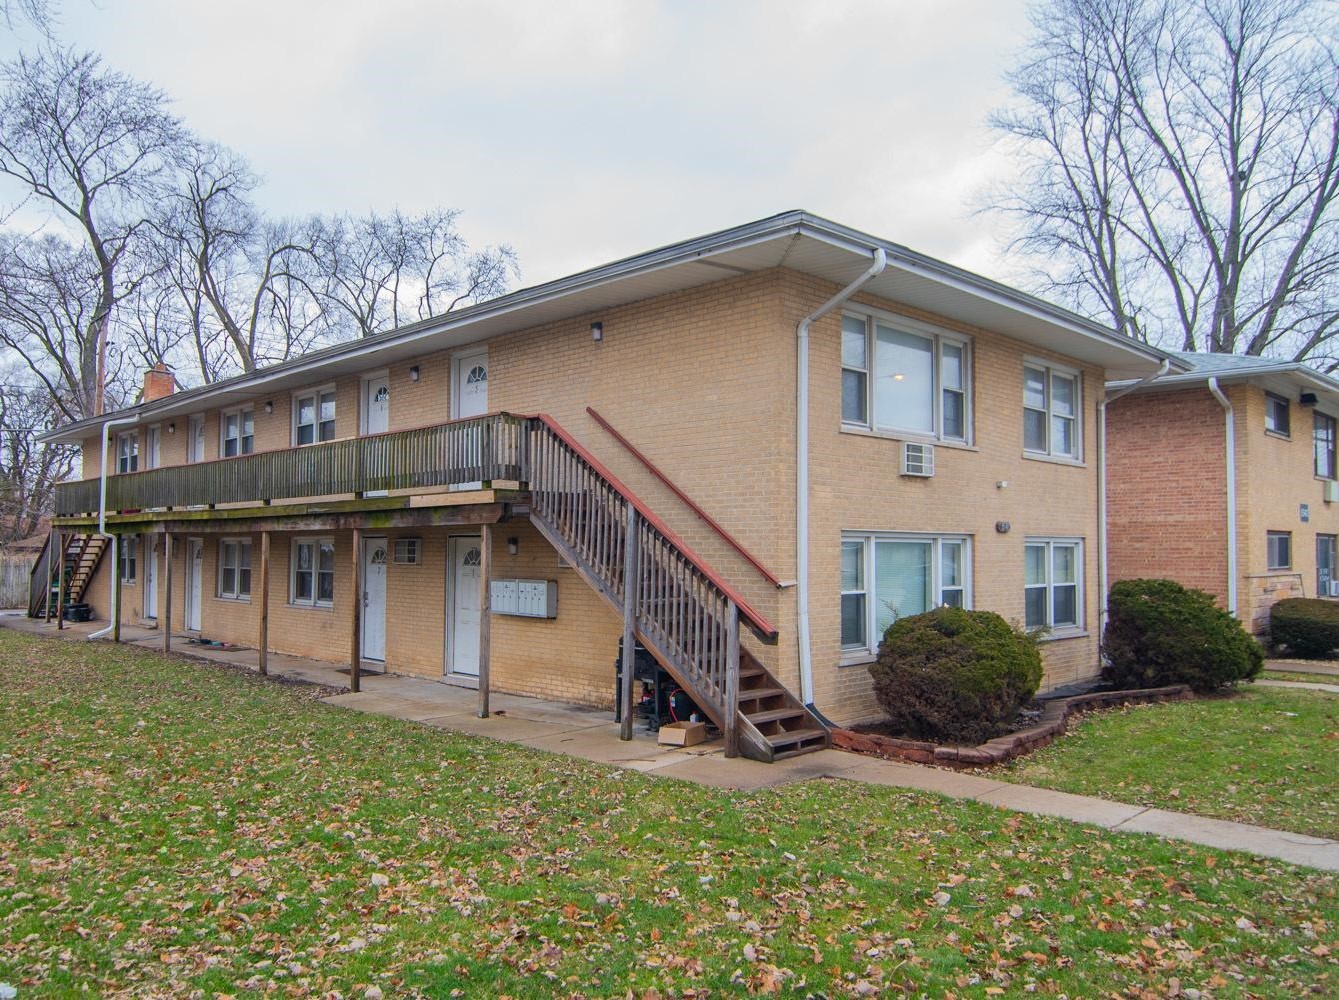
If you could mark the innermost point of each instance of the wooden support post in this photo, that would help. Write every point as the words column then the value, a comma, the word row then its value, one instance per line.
column 167, row 596
column 485, row 613
column 117, row 542
column 50, row 561
column 628, row 665
column 263, row 639
column 732, row 680
column 356, row 629
column 60, row 580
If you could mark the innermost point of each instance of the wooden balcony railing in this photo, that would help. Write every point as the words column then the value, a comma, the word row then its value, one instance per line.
column 476, row 449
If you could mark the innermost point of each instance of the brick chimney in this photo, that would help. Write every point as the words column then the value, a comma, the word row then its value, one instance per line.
column 158, row 382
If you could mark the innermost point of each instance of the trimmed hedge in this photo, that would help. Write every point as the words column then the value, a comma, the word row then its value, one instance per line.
column 954, row 675
column 1160, row 633
column 1308, row 626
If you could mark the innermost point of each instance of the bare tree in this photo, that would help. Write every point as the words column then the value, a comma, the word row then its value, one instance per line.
column 94, row 148
column 28, row 470
column 382, row 271
column 1180, row 167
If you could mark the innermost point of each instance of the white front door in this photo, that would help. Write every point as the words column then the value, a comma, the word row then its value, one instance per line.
column 195, row 439
column 374, row 599
column 152, row 448
column 376, row 404
column 469, row 393
column 150, row 576
column 195, row 562
column 462, row 632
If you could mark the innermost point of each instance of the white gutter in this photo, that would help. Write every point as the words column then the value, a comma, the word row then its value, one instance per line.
column 802, row 468
column 107, row 429
column 1103, row 567
column 1230, row 440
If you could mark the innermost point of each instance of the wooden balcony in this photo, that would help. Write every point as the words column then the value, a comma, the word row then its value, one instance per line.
column 492, row 448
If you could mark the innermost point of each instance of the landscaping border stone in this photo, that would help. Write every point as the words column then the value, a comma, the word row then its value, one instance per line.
column 1054, row 720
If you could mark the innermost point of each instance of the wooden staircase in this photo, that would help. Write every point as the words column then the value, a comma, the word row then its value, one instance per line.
column 685, row 614
column 83, row 554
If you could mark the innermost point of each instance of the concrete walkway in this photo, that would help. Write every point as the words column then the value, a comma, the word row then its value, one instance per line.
column 591, row 734
column 1328, row 667
column 1304, row 685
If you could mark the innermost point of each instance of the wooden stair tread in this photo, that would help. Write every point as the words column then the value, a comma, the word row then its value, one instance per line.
column 796, row 736
column 775, row 715
column 757, row 694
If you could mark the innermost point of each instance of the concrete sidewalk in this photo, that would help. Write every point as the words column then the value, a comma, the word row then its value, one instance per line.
column 591, row 734
column 1328, row 667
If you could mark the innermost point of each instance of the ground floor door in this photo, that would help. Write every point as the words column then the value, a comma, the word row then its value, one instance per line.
column 374, row 599
column 195, row 562
column 463, row 607
column 1325, row 564
column 150, row 576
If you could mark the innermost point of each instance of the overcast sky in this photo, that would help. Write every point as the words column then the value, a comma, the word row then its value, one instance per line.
column 582, row 131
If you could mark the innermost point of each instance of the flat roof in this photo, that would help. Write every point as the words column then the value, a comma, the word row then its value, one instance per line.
column 797, row 240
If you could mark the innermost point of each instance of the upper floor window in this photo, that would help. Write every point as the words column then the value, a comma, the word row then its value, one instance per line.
column 195, row 438
column 1277, row 418
column 127, row 451
column 314, row 417
column 1052, row 588
column 898, row 380
column 1051, row 411
column 153, row 452
column 239, row 432
column 886, row 577
column 1324, row 442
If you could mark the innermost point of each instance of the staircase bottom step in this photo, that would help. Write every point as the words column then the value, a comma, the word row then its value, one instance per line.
column 797, row 751
column 796, row 736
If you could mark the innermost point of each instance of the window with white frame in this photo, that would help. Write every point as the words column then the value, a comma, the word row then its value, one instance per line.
column 1278, row 550
column 127, row 451
column 235, row 568
column 127, row 557
column 195, row 438
column 1051, row 410
column 1277, row 416
column 153, row 450
column 1053, row 583
column 238, row 428
column 313, row 571
column 898, row 376
column 885, row 577
column 314, row 417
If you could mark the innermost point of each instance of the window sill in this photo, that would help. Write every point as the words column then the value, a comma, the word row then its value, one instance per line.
column 856, row 657
column 311, row 607
column 1278, row 434
column 1074, row 463
column 1065, row 633
column 859, row 431
column 233, row 600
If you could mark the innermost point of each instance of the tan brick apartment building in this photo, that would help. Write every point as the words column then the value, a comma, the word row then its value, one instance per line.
column 936, row 435
column 1174, row 496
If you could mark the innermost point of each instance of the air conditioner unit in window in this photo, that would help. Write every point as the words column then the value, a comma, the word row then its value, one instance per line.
column 1334, row 588
column 1331, row 491
column 918, row 459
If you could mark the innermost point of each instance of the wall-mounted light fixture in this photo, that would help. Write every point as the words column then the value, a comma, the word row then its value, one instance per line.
column 1309, row 399
column 513, row 545
column 597, row 332
column 269, row 406
column 172, row 428
column 413, row 373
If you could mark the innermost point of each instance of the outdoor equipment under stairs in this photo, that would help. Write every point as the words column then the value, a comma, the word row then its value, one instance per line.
column 681, row 611
column 80, row 559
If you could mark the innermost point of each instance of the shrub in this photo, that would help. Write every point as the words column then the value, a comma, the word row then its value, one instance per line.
column 1160, row 633
column 954, row 675
column 1308, row 626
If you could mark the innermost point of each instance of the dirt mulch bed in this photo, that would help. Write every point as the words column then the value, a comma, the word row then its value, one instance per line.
column 1051, row 723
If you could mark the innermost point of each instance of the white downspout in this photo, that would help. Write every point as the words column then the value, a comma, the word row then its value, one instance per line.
column 1103, row 567
column 107, row 429
column 1230, row 440
column 802, row 469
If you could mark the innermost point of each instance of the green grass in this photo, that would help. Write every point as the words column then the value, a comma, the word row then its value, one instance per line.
column 169, row 827
column 1268, row 756
column 1289, row 675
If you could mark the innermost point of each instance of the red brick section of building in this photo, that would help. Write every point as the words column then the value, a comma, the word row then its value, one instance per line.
column 1167, row 489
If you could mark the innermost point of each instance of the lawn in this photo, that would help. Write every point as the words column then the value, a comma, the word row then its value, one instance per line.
column 1268, row 756
column 170, row 827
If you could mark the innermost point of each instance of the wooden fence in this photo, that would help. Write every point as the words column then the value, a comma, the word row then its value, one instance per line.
column 15, row 568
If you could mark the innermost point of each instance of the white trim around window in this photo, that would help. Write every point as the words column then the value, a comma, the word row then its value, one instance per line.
column 1053, row 590
column 1052, row 411
column 312, row 572
column 234, row 583
column 314, row 415
column 904, row 377
column 888, row 575
column 127, row 452
column 127, row 558
column 237, row 431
